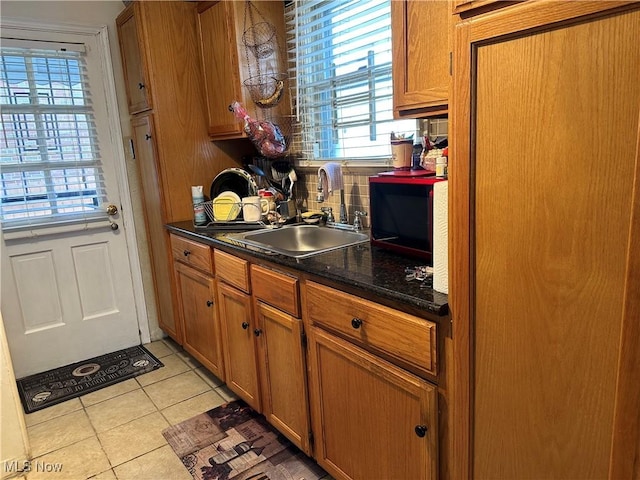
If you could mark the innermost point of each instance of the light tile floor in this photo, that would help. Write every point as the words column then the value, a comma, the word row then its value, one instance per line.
column 116, row 432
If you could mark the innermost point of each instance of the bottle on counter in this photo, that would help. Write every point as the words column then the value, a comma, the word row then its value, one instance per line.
column 197, row 198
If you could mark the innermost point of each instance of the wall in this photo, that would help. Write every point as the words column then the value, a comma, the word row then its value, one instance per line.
column 14, row 444
column 99, row 13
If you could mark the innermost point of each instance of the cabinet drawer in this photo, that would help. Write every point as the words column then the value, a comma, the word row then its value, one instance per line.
column 405, row 338
column 192, row 253
column 232, row 270
column 276, row 289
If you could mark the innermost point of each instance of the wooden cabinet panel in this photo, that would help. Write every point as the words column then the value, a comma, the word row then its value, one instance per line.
column 542, row 314
column 226, row 63
column 276, row 289
column 138, row 88
column 157, row 235
column 420, row 38
column 159, row 48
column 232, row 270
column 238, row 328
column 283, row 374
column 365, row 412
column 220, row 68
column 479, row 6
column 200, row 325
column 192, row 253
column 409, row 340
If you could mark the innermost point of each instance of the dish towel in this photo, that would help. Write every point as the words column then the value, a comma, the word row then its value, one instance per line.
column 330, row 177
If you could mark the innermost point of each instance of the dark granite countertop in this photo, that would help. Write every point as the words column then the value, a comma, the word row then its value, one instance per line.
column 372, row 269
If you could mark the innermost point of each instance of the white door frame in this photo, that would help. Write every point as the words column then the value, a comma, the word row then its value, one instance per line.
column 126, row 210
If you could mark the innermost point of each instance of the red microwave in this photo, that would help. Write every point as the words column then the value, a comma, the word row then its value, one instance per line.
column 401, row 213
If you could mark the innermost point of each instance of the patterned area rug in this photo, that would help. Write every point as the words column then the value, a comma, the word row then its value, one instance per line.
column 55, row 386
column 234, row 441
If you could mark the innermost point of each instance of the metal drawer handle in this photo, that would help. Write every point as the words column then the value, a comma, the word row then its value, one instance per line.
column 209, row 303
column 421, row 430
column 356, row 322
column 245, row 325
column 186, row 253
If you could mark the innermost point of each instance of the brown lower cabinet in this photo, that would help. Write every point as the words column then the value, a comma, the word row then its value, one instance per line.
column 283, row 374
column 238, row 331
column 371, row 419
column 196, row 295
column 292, row 350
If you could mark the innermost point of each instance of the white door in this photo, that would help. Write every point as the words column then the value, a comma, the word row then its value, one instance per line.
column 67, row 290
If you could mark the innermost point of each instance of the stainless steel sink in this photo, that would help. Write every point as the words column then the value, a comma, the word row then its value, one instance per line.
column 300, row 241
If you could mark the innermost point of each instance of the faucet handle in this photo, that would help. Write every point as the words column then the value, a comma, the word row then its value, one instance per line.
column 329, row 212
column 357, row 223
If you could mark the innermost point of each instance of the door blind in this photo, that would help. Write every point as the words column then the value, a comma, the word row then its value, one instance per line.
column 49, row 160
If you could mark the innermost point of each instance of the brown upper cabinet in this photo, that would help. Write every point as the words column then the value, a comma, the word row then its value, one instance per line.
column 133, row 63
column 421, row 52
column 227, row 63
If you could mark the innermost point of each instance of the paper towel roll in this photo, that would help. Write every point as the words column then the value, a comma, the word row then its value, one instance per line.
column 440, row 237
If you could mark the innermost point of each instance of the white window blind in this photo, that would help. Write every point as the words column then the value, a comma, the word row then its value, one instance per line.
column 49, row 160
column 341, row 56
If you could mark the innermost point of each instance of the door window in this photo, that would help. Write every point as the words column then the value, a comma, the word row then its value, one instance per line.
column 50, row 158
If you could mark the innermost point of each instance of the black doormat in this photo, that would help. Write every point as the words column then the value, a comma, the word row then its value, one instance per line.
column 233, row 441
column 45, row 389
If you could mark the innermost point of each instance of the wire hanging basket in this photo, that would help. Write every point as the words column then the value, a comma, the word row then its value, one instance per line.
column 260, row 39
column 266, row 90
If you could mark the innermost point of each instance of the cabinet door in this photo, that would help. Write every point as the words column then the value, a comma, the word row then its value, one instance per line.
column 420, row 37
column 200, row 326
column 138, row 89
column 157, row 235
column 370, row 418
column 545, row 298
column 283, row 374
column 221, row 68
column 238, row 332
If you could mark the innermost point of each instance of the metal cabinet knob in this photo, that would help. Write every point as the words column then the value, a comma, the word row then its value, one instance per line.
column 186, row 253
column 112, row 210
column 421, row 430
column 257, row 332
column 209, row 303
column 140, row 85
column 356, row 323
column 245, row 325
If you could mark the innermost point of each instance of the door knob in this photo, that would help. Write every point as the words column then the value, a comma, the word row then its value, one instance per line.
column 112, row 210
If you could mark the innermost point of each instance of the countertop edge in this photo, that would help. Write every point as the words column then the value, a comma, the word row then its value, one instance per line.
column 437, row 309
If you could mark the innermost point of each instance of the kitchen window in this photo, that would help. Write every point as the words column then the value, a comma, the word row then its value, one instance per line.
column 49, row 157
column 341, row 57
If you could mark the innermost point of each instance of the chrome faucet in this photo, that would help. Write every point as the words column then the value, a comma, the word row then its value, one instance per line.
column 343, row 208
